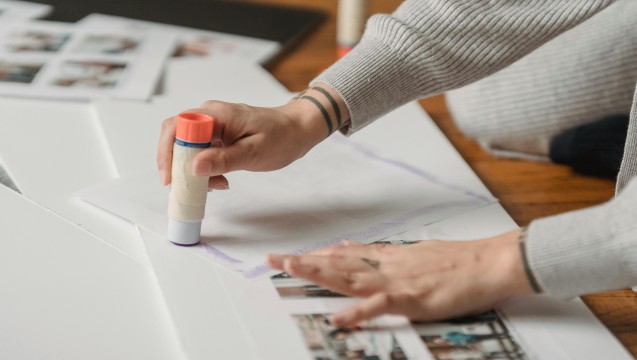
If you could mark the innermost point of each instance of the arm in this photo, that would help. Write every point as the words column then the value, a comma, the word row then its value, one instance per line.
column 431, row 46
column 589, row 250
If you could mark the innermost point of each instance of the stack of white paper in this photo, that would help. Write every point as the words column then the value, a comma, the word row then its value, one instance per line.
column 193, row 43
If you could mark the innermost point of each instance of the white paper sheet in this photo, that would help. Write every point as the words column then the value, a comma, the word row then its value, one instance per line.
column 193, row 42
column 21, row 10
column 60, row 60
column 339, row 190
column 68, row 295
column 53, row 149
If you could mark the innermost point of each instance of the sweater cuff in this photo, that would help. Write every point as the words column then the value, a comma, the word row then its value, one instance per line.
column 577, row 253
column 372, row 79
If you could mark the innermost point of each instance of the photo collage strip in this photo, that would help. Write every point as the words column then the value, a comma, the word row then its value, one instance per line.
column 194, row 43
column 481, row 337
column 57, row 60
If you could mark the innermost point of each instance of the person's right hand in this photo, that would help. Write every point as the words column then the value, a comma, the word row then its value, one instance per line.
column 252, row 138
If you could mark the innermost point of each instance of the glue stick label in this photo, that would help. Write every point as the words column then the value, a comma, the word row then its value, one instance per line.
column 187, row 199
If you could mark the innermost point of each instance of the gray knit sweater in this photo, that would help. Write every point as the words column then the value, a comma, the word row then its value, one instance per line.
column 431, row 46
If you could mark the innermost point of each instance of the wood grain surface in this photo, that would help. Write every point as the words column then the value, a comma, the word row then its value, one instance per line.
column 527, row 190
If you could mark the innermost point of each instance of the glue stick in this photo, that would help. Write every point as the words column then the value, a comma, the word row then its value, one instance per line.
column 350, row 22
column 187, row 198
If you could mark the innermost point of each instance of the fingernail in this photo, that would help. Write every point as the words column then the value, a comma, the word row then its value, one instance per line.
column 203, row 168
column 275, row 258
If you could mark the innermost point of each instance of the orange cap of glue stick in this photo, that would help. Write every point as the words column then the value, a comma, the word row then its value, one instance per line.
column 194, row 127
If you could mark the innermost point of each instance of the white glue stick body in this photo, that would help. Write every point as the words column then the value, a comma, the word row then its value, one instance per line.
column 187, row 199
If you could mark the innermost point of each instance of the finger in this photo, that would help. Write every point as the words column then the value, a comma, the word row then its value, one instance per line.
column 377, row 304
column 220, row 160
column 165, row 150
column 353, row 278
column 330, row 249
column 349, row 276
column 274, row 261
column 220, row 111
column 354, row 249
column 218, row 183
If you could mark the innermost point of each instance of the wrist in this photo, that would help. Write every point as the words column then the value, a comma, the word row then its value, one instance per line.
column 509, row 264
column 307, row 120
column 319, row 109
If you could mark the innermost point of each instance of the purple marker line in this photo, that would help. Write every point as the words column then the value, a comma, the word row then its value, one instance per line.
column 220, row 254
column 412, row 169
column 256, row 271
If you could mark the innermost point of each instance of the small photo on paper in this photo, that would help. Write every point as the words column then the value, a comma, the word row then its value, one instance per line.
column 89, row 74
column 289, row 288
column 326, row 342
column 23, row 41
column 19, row 72
column 484, row 336
column 204, row 46
column 108, row 44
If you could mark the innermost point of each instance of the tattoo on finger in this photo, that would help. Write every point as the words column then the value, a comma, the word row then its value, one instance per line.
column 375, row 264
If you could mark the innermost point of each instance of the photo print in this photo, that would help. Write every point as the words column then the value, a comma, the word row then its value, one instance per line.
column 88, row 74
column 35, row 40
column 480, row 337
column 291, row 288
column 200, row 46
column 19, row 71
column 110, row 44
column 366, row 342
column 192, row 43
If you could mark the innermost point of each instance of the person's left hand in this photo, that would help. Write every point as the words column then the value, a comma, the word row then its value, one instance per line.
column 431, row 280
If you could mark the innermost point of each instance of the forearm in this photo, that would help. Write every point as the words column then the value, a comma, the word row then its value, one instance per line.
column 430, row 46
column 586, row 251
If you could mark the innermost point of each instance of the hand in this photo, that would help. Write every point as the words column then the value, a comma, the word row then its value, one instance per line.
column 428, row 281
column 252, row 138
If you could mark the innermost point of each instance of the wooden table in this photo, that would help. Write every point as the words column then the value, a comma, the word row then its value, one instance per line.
column 527, row 190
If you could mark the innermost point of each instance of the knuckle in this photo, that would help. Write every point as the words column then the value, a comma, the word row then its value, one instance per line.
column 210, row 104
column 350, row 279
column 358, row 313
column 167, row 124
column 386, row 300
column 223, row 162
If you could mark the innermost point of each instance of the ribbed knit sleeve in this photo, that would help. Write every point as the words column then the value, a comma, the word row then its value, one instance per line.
column 589, row 250
column 580, row 76
column 430, row 46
